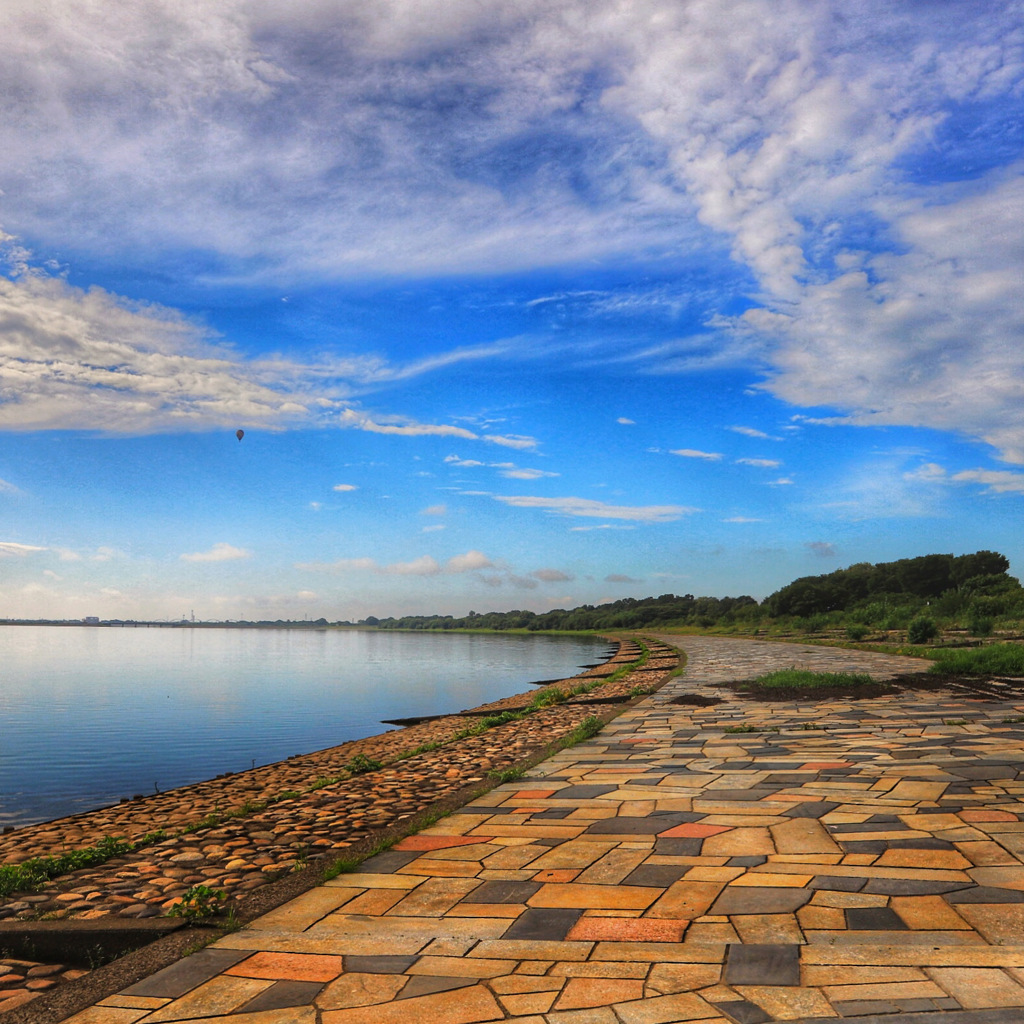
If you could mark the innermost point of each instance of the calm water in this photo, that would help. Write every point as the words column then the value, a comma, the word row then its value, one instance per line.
column 90, row 715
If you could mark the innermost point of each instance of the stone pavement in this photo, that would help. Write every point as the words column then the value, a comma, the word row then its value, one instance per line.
column 850, row 859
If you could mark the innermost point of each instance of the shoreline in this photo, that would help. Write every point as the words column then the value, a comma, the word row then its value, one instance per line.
column 427, row 769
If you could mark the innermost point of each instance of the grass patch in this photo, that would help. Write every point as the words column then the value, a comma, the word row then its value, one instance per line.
column 32, row 874
column 801, row 679
column 995, row 660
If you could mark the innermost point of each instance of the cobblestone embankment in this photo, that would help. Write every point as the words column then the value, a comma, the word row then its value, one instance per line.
column 256, row 826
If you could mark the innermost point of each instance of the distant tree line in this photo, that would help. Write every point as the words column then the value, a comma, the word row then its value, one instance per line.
column 974, row 590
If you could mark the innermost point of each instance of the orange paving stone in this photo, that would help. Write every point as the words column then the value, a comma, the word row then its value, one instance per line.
column 463, row 1006
column 988, row 815
column 583, row 992
column 628, row 929
column 289, row 967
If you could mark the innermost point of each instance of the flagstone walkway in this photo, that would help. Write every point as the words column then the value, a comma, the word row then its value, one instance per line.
column 853, row 859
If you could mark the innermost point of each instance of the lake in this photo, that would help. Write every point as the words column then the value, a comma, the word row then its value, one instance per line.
column 92, row 714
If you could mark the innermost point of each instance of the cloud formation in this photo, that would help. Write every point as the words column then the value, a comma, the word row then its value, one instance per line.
column 221, row 552
column 590, row 508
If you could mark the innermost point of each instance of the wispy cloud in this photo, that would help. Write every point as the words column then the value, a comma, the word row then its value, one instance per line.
column 626, row 421
column 10, row 549
column 551, row 576
column 997, row 481
column 405, row 427
column 742, row 519
column 589, row 508
column 424, row 565
column 821, row 548
column 761, row 463
column 346, row 487
column 218, row 553
column 434, row 510
column 618, row 577
column 696, row 453
column 749, row 432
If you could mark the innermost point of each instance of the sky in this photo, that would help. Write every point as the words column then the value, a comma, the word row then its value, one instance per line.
column 524, row 304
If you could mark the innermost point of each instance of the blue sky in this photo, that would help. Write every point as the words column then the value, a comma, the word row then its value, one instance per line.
column 520, row 305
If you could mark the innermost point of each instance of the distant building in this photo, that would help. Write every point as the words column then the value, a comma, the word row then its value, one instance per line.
column 91, row 620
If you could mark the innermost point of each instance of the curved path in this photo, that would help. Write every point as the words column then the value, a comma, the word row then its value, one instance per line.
column 850, row 859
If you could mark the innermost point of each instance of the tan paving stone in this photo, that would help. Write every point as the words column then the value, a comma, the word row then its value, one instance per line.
column 460, row 967
column 667, row 979
column 682, row 1006
column 365, row 880
column 1008, row 877
column 685, row 900
column 601, row 969
column 460, row 1006
column 845, row 974
column 924, row 859
column 710, row 934
column 583, row 992
column 986, row 853
column 975, row 988
column 740, row 842
column 528, row 1003
column 770, row 880
column 305, row 910
column 927, row 955
column 817, row 917
column 787, row 1003
column 628, row 929
column 578, row 854
column 659, row 952
column 927, row 912
column 576, row 894
column 530, row 949
column 802, row 836
column 215, row 998
column 594, row 1015
column 359, row 989
column 759, row 928
column 999, row 923
column 107, row 1015
column 885, row 990
column 433, row 898
column 612, row 867
column 517, row 983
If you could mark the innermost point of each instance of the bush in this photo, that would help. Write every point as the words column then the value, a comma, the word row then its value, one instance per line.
column 857, row 632
column 980, row 626
column 921, row 630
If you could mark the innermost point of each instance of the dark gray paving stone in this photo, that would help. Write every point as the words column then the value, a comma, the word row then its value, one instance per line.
column 678, row 847
column 379, row 964
column 875, row 846
column 877, row 919
column 583, row 792
column 912, row 887
column 838, row 883
column 811, row 810
column 920, row 844
column 542, row 923
column 746, row 862
column 756, row 900
column 744, row 1012
column 648, row 825
column 663, row 875
column 790, row 778
column 880, row 819
column 502, row 892
column 754, row 793
column 392, row 860
column 984, row 894
column 871, row 825
column 1002, row 1015
column 762, row 964
column 428, row 984
column 188, row 974
column 283, row 994
column 555, row 814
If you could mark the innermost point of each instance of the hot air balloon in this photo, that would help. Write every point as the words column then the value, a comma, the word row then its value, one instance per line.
column 239, row 434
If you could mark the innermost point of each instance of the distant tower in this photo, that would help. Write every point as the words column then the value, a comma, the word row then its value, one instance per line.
column 193, row 615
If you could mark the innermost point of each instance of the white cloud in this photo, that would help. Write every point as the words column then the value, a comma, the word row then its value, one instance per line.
column 218, row 553
column 618, row 577
column 9, row 488
column 422, row 566
column 626, row 422
column 11, row 549
column 783, row 481
column 469, row 562
column 434, row 510
column 433, row 528
column 749, row 432
column 761, row 463
column 997, row 481
column 345, row 487
column 527, row 474
column 696, row 453
column 551, row 576
column 454, row 460
column 589, row 508
column 404, row 427
column 742, row 519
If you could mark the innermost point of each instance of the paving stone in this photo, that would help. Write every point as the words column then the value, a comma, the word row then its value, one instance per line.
column 743, row 1011
column 383, row 964
column 502, row 892
column 283, row 994
column 750, row 900
column 426, row 984
column 762, row 964
column 544, row 924
column 874, row 919
column 187, row 974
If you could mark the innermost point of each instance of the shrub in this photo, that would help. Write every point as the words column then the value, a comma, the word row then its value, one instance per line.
column 857, row 632
column 979, row 625
column 921, row 630
column 996, row 660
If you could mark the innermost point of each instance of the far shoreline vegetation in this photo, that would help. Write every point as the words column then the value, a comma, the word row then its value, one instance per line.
column 959, row 600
